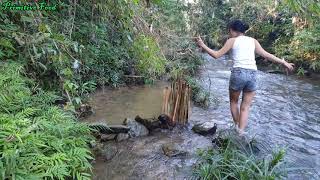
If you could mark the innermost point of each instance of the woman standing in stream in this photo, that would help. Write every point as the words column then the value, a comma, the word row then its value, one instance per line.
column 244, row 71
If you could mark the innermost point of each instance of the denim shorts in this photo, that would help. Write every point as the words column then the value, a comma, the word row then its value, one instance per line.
column 243, row 79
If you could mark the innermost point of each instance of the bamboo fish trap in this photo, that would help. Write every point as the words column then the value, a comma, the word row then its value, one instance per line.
column 176, row 102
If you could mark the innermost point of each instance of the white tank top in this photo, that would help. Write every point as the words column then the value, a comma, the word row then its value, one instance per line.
column 243, row 53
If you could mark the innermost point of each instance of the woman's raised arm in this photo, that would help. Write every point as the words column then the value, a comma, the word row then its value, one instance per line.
column 259, row 50
column 216, row 54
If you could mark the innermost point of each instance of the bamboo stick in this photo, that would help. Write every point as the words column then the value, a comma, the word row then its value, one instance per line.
column 181, row 108
column 185, row 104
column 169, row 99
column 180, row 100
column 164, row 100
column 174, row 98
column 175, row 108
column 172, row 101
column 167, row 102
column 184, row 107
column 189, row 101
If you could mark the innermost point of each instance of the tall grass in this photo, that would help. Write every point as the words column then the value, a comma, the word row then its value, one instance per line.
column 231, row 161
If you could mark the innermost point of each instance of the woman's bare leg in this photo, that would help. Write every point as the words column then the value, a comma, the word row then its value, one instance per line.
column 244, row 109
column 234, row 98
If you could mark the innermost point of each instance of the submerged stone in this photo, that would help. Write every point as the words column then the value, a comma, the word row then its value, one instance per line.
column 274, row 71
column 206, row 128
column 173, row 150
column 109, row 152
column 105, row 151
column 122, row 137
column 107, row 137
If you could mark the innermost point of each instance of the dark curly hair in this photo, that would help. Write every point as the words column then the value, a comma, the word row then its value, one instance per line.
column 239, row 26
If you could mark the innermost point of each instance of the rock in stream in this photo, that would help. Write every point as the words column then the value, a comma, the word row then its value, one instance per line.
column 173, row 150
column 136, row 129
column 122, row 137
column 150, row 123
column 205, row 128
column 107, row 137
column 105, row 151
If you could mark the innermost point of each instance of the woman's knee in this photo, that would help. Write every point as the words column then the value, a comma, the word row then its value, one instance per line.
column 234, row 100
column 244, row 107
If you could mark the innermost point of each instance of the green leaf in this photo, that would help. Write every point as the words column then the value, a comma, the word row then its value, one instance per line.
column 4, row 42
column 26, row 19
column 136, row 1
column 42, row 28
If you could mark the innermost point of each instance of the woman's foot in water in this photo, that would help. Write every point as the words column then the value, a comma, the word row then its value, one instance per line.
column 240, row 132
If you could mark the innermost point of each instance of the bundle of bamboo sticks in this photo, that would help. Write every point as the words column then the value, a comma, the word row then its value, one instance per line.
column 176, row 102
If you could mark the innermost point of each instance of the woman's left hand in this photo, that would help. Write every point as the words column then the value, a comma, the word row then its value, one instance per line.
column 200, row 41
column 289, row 66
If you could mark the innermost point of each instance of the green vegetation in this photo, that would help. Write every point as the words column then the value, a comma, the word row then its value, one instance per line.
column 230, row 161
column 37, row 139
column 84, row 45
column 200, row 95
column 289, row 28
column 150, row 63
column 51, row 58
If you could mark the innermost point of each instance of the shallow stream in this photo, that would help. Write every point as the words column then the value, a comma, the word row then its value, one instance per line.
column 285, row 113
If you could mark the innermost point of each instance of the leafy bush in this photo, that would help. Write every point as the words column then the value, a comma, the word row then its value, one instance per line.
column 151, row 62
column 75, row 49
column 37, row 139
column 303, row 48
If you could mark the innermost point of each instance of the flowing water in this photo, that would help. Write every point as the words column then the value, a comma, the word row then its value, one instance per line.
column 285, row 113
